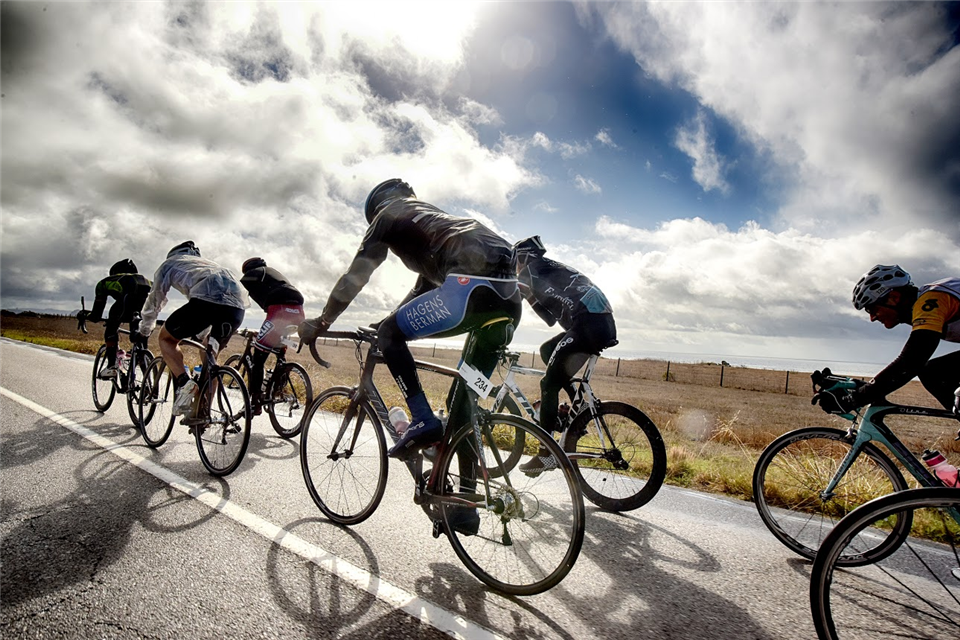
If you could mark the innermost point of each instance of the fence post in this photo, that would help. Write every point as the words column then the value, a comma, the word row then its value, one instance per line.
column 434, row 350
column 786, row 387
column 721, row 375
column 667, row 375
column 617, row 374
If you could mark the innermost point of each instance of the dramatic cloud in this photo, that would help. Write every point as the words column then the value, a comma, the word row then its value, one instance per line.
column 695, row 141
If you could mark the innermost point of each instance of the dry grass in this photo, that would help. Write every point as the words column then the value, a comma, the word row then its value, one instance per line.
column 713, row 434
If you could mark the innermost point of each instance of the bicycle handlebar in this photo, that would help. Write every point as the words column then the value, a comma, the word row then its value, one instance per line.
column 826, row 381
column 362, row 334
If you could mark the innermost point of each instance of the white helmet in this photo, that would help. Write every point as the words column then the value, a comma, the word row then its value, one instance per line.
column 877, row 283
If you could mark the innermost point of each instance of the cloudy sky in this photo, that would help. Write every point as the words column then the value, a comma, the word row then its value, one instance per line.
column 724, row 171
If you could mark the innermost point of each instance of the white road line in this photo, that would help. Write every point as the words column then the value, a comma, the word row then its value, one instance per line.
column 427, row 612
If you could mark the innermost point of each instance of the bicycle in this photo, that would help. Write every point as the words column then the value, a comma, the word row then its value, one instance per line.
column 221, row 412
column 130, row 371
column 619, row 455
column 519, row 535
column 806, row 480
column 914, row 593
column 286, row 388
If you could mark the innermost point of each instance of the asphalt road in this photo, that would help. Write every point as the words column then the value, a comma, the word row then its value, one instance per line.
column 104, row 537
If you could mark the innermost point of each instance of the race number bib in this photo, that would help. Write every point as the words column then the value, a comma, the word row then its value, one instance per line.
column 475, row 380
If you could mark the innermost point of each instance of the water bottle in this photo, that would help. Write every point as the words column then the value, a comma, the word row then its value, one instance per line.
column 123, row 360
column 399, row 419
column 196, row 371
column 943, row 470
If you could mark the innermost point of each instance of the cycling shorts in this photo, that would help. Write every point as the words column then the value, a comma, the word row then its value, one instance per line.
column 279, row 317
column 193, row 318
column 443, row 310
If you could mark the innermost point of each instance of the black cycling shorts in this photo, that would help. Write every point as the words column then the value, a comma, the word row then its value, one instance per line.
column 194, row 317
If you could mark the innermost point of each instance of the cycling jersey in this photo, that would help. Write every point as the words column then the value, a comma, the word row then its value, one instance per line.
column 128, row 289
column 195, row 277
column 269, row 287
column 430, row 243
column 558, row 293
column 938, row 308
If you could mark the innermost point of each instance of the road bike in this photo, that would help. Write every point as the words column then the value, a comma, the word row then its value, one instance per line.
column 519, row 535
column 913, row 593
column 806, row 480
column 130, row 365
column 286, row 388
column 219, row 419
column 617, row 451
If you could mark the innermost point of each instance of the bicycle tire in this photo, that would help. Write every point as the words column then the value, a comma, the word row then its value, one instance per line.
column 135, row 376
column 155, row 405
column 223, row 438
column 913, row 592
column 515, row 452
column 103, row 390
column 530, row 533
column 793, row 470
column 620, row 461
column 344, row 465
column 289, row 394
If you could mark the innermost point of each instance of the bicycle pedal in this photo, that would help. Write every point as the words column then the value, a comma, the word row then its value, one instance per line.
column 437, row 528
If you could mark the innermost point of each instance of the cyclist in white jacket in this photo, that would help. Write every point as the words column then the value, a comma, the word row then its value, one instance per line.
column 215, row 300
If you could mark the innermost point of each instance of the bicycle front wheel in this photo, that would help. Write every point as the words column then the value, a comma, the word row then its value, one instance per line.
column 135, row 377
column 509, row 441
column 155, row 405
column 343, row 456
column 619, row 456
column 914, row 592
column 103, row 388
column 788, row 484
column 223, row 438
column 520, row 534
column 289, row 395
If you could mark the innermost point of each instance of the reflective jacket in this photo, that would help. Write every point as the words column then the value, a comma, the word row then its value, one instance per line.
column 195, row 277
column 429, row 242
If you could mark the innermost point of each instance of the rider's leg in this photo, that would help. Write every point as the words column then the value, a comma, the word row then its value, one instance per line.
column 256, row 378
column 941, row 376
column 111, row 335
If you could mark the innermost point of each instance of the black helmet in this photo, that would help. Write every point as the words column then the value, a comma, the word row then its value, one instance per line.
column 188, row 248
column 531, row 247
column 253, row 263
column 124, row 266
column 392, row 188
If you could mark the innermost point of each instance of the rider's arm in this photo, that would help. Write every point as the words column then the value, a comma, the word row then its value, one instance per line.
column 371, row 255
column 104, row 287
column 155, row 299
column 920, row 346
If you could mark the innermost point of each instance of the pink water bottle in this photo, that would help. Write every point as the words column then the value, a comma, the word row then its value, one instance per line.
column 399, row 420
column 943, row 470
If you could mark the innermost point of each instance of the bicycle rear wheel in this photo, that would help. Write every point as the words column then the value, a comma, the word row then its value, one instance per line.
column 288, row 396
column 103, row 388
column 155, row 405
column 620, row 459
column 343, row 456
column 135, row 377
column 223, row 437
column 519, row 534
column 788, row 484
column 914, row 592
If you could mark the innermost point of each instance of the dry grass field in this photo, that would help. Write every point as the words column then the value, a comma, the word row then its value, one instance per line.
column 713, row 434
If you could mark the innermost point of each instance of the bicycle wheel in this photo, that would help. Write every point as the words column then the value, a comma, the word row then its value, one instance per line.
column 223, row 437
column 155, row 406
column 620, row 459
column 510, row 442
column 343, row 456
column 103, row 388
column 793, row 471
column 135, row 377
column 525, row 533
column 288, row 396
column 913, row 593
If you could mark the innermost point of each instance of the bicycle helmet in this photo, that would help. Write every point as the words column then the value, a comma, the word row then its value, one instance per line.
column 184, row 248
column 387, row 190
column 253, row 263
column 530, row 248
column 877, row 283
column 124, row 266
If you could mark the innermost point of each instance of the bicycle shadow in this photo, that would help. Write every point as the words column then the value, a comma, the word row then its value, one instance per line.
column 46, row 437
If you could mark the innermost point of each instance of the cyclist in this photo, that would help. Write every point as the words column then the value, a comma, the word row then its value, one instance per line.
column 215, row 300
column 889, row 296
column 561, row 294
column 129, row 289
column 284, row 307
column 466, row 278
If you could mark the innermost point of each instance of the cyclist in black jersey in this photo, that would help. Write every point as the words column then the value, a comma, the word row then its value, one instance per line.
column 466, row 278
column 888, row 295
column 129, row 289
column 562, row 295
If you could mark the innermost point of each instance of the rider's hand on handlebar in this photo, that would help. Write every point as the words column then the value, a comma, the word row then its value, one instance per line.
column 310, row 330
column 839, row 401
